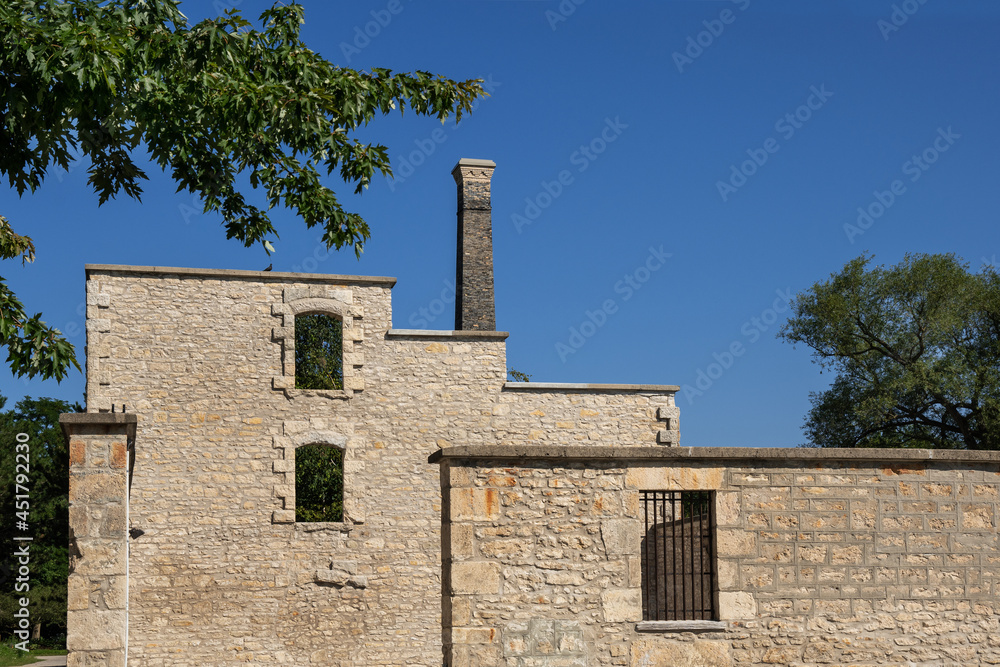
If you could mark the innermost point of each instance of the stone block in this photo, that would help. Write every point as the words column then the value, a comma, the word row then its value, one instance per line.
column 733, row 542
column 78, row 595
column 97, row 487
column 622, row 605
column 621, row 537
column 283, row 516
column 95, row 630
column 473, row 635
column 727, row 508
column 476, row 577
column 119, row 455
column 670, row 652
column 736, row 605
column 114, row 522
column 647, row 478
column 475, row 504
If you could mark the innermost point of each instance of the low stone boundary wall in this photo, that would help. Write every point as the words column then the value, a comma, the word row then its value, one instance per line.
column 822, row 557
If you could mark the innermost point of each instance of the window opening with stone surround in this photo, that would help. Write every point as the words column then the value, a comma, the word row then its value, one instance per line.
column 319, row 483
column 319, row 356
column 677, row 556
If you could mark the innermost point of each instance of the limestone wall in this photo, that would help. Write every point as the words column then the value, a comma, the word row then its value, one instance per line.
column 97, row 628
column 222, row 574
column 857, row 557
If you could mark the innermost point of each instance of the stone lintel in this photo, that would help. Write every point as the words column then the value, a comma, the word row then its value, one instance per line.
column 665, row 456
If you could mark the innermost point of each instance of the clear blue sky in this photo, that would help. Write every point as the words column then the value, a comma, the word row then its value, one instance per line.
column 648, row 107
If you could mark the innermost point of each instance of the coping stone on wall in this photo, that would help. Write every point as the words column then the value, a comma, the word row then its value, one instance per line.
column 638, row 454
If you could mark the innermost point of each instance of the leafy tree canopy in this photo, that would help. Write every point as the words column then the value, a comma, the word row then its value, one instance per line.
column 916, row 350
column 46, row 511
column 209, row 102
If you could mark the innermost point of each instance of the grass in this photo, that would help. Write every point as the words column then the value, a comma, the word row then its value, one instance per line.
column 10, row 656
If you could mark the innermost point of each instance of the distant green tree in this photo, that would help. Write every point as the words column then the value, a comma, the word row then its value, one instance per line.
column 48, row 514
column 319, row 352
column 916, row 350
column 319, row 483
column 217, row 104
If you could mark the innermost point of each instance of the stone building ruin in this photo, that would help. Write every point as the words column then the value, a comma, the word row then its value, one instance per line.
column 486, row 522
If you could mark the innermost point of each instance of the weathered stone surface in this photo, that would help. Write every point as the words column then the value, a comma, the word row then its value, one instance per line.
column 655, row 652
column 622, row 605
column 475, row 577
column 806, row 571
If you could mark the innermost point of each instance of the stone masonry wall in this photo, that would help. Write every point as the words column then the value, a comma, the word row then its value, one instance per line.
column 222, row 574
column 835, row 557
column 98, row 509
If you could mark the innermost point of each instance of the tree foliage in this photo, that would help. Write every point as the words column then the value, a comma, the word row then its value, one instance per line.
column 48, row 513
column 319, row 483
column 916, row 350
column 210, row 103
column 319, row 353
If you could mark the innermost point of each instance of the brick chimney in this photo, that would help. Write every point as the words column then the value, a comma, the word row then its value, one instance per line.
column 474, row 283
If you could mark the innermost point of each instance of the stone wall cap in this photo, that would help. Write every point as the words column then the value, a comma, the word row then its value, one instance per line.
column 236, row 273
column 666, row 454
column 472, row 162
column 75, row 422
column 583, row 387
column 429, row 334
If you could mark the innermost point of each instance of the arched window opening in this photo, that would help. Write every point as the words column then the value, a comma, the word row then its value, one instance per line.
column 319, row 483
column 319, row 356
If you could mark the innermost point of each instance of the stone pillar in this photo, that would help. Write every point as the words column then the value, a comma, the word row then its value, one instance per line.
column 99, row 468
column 474, row 307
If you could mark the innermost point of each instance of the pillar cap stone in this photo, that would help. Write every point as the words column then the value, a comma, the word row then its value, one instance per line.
column 471, row 162
column 98, row 422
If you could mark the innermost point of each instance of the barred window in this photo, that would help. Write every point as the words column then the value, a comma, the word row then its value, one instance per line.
column 677, row 556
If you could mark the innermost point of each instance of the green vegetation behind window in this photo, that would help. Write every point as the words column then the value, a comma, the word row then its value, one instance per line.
column 319, row 483
column 319, row 359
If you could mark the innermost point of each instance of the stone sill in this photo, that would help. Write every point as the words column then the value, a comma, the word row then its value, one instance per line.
column 681, row 626
column 333, row 394
column 318, row 526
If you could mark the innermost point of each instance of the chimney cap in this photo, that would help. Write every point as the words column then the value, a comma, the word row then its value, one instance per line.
column 471, row 162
